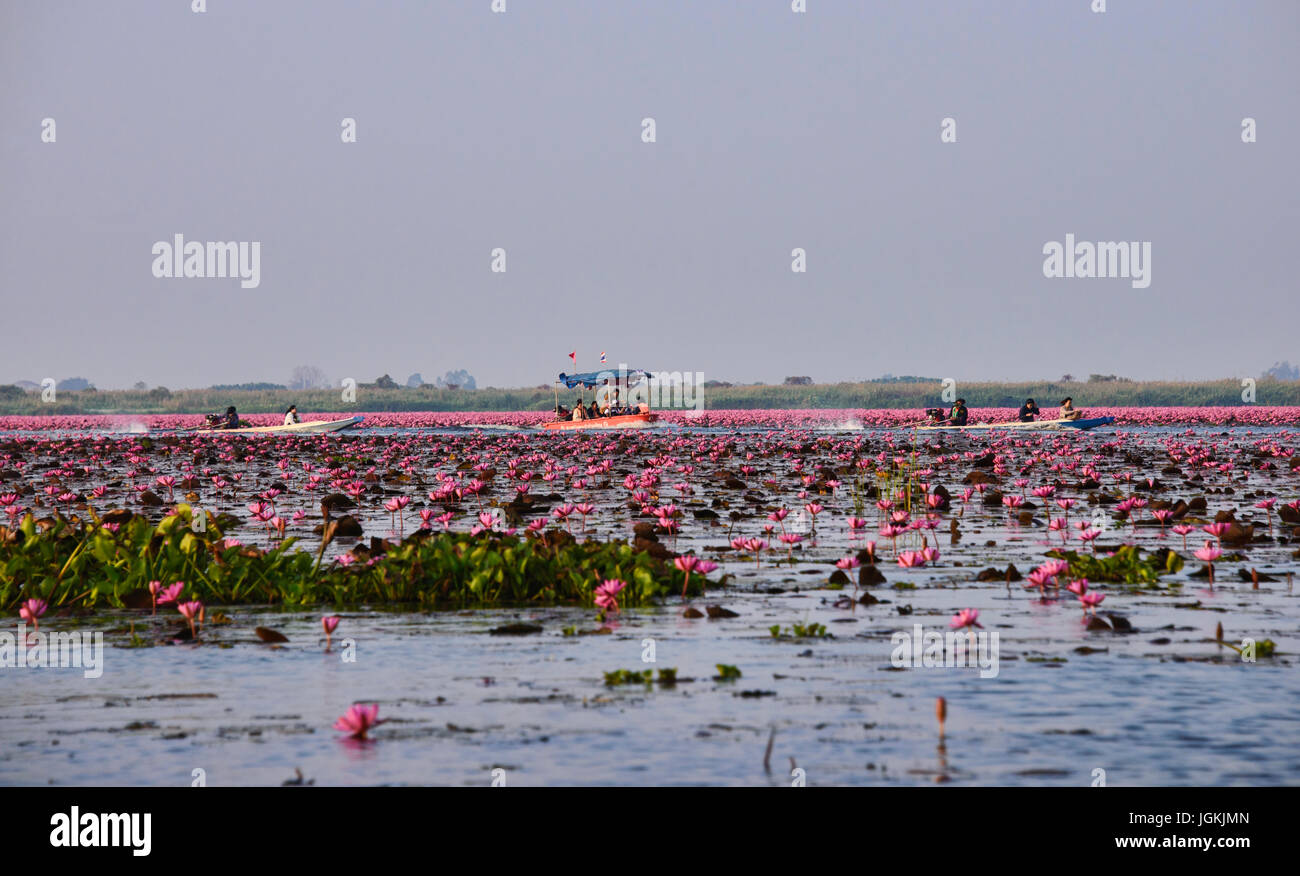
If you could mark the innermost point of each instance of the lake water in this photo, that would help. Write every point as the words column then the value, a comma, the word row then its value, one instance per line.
column 1161, row 705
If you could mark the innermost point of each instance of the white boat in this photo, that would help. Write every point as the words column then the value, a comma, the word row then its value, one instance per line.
column 311, row 427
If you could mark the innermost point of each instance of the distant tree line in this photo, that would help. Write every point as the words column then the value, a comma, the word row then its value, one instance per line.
column 866, row 394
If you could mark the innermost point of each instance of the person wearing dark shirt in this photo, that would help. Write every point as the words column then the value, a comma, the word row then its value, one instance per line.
column 232, row 419
column 958, row 415
column 1028, row 411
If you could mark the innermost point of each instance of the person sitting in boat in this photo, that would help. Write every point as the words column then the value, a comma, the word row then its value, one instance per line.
column 613, row 407
column 291, row 416
column 579, row 412
column 1067, row 410
column 563, row 413
column 1028, row 411
column 229, row 421
column 958, row 415
column 593, row 411
column 934, row 416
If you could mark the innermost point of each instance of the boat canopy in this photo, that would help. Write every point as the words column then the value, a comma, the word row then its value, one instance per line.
column 592, row 379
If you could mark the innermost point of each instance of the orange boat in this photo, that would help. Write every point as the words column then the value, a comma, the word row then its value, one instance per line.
column 636, row 415
column 624, row 421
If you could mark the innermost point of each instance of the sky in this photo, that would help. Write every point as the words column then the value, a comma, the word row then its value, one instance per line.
column 523, row 130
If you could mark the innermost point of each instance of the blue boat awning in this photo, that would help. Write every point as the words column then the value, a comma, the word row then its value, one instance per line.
column 591, row 379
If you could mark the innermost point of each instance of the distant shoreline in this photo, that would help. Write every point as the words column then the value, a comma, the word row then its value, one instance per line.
column 828, row 396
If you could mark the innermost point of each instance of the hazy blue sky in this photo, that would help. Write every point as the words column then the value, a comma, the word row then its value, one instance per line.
column 522, row 130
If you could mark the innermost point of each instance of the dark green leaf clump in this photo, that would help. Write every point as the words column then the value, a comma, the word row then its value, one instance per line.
column 84, row 563
column 1127, row 565
column 799, row 631
column 667, row 677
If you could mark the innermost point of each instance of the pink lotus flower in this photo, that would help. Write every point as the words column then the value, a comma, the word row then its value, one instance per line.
column 1091, row 600
column 329, row 624
column 1267, row 505
column 686, row 564
column 31, row 611
column 1040, row 579
column 967, row 617
column 1163, row 515
column 358, row 720
column 191, row 611
column 911, row 559
column 607, row 594
column 1209, row 553
column 169, row 593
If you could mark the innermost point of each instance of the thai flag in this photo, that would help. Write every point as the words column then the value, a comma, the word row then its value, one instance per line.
column 602, row 357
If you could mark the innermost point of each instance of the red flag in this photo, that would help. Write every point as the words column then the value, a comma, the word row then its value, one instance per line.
column 574, row 357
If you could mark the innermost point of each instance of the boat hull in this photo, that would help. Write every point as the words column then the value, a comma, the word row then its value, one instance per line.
column 314, row 427
column 627, row 421
column 1082, row 425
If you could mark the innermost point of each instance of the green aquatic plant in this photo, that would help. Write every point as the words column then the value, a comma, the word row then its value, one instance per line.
column 84, row 563
column 727, row 673
column 667, row 677
column 799, row 631
column 1127, row 565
